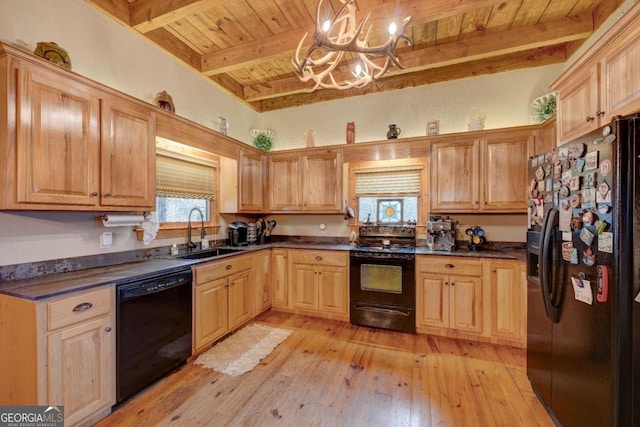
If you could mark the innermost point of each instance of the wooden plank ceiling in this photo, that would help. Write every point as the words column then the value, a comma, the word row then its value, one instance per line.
column 246, row 46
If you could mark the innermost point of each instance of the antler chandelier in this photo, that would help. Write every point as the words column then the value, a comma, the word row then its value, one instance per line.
column 341, row 36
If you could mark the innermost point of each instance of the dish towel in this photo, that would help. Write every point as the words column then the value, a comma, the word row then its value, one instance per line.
column 150, row 226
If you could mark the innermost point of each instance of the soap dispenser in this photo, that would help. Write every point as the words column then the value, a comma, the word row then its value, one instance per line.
column 174, row 249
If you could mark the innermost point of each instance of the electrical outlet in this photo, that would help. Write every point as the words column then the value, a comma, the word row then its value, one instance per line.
column 106, row 240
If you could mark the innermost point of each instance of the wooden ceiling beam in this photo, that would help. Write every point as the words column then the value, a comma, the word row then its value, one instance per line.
column 148, row 15
column 514, row 61
column 249, row 54
column 488, row 46
column 116, row 9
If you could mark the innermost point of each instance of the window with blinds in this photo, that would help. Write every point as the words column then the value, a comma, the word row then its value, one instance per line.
column 388, row 194
column 186, row 178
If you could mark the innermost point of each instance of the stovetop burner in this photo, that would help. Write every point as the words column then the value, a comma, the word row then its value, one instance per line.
column 387, row 238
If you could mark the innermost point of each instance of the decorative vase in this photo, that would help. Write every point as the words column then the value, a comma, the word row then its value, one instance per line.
column 393, row 132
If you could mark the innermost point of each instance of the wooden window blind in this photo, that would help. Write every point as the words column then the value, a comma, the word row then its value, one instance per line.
column 388, row 181
column 184, row 176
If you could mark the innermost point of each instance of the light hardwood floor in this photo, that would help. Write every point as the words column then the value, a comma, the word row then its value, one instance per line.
column 331, row 373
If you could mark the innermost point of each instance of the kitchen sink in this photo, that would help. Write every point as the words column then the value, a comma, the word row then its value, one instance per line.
column 208, row 253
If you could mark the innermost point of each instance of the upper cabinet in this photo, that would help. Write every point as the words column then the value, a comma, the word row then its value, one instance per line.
column 481, row 175
column 600, row 84
column 251, row 179
column 309, row 183
column 68, row 145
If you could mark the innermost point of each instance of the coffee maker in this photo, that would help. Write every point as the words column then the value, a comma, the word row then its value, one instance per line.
column 441, row 234
column 238, row 234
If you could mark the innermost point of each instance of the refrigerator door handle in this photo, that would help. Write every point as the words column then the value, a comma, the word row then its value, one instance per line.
column 547, row 285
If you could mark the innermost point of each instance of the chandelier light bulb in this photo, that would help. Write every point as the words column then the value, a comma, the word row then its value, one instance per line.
column 392, row 28
column 358, row 71
column 326, row 25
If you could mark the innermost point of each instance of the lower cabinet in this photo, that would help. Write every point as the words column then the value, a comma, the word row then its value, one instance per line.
column 60, row 352
column 318, row 283
column 262, row 282
column 482, row 299
column 221, row 298
column 449, row 295
column 508, row 284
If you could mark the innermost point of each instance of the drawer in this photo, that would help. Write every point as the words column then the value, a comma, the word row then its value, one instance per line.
column 449, row 265
column 333, row 258
column 216, row 269
column 79, row 307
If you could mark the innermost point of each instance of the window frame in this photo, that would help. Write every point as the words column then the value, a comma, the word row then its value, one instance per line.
column 359, row 167
column 179, row 229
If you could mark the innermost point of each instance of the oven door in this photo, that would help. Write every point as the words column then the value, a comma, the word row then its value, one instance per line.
column 382, row 290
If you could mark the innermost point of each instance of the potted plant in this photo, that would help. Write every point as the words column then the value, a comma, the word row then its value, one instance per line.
column 544, row 107
column 263, row 141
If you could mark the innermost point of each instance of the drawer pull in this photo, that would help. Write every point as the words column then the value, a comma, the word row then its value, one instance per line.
column 107, row 194
column 318, row 258
column 108, row 329
column 228, row 267
column 449, row 266
column 83, row 307
column 94, row 194
column 600, row 113
column 590, row 118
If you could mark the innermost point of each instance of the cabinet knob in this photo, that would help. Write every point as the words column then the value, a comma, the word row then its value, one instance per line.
column 107, row 194
column 228, row 267
column 453, row 284
column 318, row 258
column 600, row 113
column 494, row 270
column 82, row 307
column 590, row 119
column 446, row 283
column 94, row 194
column 449, row 266
column 232, row 283
column 107, row 329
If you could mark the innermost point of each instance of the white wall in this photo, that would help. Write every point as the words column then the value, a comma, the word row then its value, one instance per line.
column 505, row 98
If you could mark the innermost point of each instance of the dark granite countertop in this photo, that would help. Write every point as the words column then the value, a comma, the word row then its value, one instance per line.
column 59, row 283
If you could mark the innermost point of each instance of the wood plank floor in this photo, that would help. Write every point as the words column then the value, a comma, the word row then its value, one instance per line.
column 331, row 373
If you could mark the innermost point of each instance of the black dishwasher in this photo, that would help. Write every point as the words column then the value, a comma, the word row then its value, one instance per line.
column 153, row 324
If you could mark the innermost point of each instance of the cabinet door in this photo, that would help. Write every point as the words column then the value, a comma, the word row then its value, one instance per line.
column 285, row 184
column 210, row 317
column 508, row 294
column 432, row 300
column 322, row 190
column 128, row 164
column 305, row 286
column 250, row 182
column 620, row 88
column 58, row 139
column 279, row 278
column 578, row 105
column 239, row 301
column 504, row 169
column 454, row 177
column 80, row 368
column 333, row 289
column 465, row 303
column 262, row 282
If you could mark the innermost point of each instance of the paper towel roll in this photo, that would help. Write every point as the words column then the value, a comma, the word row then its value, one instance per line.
column 122, row 220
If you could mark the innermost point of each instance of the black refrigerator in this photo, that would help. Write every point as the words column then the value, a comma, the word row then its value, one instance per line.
column 583, row 277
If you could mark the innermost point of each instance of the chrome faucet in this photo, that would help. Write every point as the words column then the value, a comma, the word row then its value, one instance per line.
column 190, row 244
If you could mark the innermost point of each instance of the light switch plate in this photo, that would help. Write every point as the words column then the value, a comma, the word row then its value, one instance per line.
column 106, row 240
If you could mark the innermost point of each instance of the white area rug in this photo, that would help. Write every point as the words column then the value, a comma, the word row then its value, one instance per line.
column 242, row 351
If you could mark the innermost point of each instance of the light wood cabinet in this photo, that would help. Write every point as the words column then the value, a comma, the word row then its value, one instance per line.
column 305, row 183
column 279, row 277
column 71, row 144
column 319, row 283
column 481, row 175
column 508, row 301
column 128, row 155
column 600, row 85
column 222, row 298
column 251, row 182
column 60, row 351
column 449, row 295
column 262, row 282
column 545, row 137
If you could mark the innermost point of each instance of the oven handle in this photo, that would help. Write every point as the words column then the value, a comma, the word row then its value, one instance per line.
column 380, row 310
